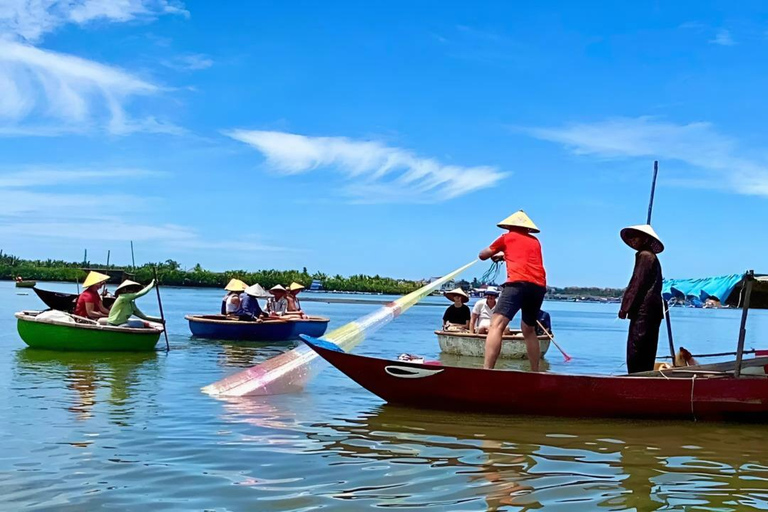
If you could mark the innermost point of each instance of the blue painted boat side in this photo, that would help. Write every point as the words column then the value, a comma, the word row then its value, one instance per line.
column 252, row 331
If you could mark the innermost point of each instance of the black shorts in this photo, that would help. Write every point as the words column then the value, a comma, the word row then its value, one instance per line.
column 524, row 296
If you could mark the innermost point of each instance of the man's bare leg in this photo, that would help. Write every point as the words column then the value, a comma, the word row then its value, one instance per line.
column 493, row 340
column 532, row 345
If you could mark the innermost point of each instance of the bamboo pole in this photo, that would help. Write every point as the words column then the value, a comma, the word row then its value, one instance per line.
column 747, row 282
column 133, row 260
column 160, row 305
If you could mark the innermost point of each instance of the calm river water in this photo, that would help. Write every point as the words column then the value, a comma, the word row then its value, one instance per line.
column 120, row 432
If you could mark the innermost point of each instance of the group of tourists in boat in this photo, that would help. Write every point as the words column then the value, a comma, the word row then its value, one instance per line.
column 241, row 301
column 90, row 304
column 525, row 288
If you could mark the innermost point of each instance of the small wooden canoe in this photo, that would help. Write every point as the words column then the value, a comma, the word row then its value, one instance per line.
column 61, row 301
column 220, row 327
column 468, row 344
column 25, row 284
column 53, row 334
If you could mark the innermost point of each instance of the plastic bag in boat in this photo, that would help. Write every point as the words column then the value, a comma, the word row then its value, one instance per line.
column 57, row 316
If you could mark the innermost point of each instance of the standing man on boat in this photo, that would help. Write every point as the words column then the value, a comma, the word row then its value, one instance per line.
column 524, row 288
column 642, row 302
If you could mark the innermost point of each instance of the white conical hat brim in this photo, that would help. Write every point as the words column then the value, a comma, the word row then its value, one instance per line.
column 278, row 288
column 126, row 284
column 646, row 231
column 519, row 219
column 457, row 291
column 256, row 290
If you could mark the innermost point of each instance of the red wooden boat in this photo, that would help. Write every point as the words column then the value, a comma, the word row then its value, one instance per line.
column 732, row 390
column 693, row 393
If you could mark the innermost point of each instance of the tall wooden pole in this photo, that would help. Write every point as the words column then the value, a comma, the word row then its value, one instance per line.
column 133, row 260
column 746, row 286
column 666, row 304
column 108, row 251
column 160, row 305
column 653, row 190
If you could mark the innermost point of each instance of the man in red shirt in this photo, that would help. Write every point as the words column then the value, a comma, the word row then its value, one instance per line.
column 524, row 288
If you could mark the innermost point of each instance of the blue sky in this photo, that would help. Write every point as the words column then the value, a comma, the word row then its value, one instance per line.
column 383, row 137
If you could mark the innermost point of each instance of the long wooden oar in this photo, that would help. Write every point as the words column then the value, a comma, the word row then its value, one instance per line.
column 552, row 339
column 160, row 304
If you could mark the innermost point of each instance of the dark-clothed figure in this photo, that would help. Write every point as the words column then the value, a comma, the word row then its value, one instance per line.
column 457, row 315
column 249, row 309
column 642, row 302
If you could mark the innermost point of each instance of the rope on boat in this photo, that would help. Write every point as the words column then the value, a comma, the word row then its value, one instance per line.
column 693, row 383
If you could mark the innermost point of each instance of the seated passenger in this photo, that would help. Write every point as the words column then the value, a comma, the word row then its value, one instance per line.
column 293, row 304
column 231, row 301
column 89, row 304
column 278, row 304
column 457, row 315
column 480, row 321
column 250, row 309
column 125, row 307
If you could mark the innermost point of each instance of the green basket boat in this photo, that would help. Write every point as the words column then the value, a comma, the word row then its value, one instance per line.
column 51, row 334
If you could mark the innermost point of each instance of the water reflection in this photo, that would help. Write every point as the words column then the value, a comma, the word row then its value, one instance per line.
column 234, row 354
column 84, row 374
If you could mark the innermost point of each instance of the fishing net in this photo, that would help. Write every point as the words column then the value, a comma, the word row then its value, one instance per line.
column 492, row 274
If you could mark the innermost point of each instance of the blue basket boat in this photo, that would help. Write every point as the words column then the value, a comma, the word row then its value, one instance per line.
column 219, row 327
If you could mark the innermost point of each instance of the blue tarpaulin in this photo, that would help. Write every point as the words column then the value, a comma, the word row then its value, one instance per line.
column 702, row 289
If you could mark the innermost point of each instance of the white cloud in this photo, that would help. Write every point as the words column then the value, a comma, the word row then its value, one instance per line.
column 377, row 173
column 46, row 176
column 31, row 19
column 697, row 144
column 723, row 38
column 74, row 93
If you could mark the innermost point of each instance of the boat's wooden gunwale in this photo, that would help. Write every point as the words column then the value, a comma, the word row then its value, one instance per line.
column 222, row 321
column 515, row 335
column 27, row 317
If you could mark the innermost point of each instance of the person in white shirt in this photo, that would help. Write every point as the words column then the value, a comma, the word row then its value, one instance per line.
column 277, row 305
column 482, row 312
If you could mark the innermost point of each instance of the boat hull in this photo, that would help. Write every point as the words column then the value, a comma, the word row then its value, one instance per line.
column 218, row 327
column 473, row 345
column 550, row 394
column 84, row 337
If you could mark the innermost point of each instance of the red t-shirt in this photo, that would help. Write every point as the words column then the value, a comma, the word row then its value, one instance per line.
column 522, row 254
column 87, row 296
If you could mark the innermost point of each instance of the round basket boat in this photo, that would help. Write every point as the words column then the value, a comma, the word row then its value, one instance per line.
column 219, row 327
column 468, row 344
column 52, row 334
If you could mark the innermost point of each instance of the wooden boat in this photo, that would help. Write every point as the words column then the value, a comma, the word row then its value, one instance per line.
column 220, row 327
column 676, row 394
column 88, row 336
column 25, row 284
column 469, row 344
column 65, row 301
column 731, row 390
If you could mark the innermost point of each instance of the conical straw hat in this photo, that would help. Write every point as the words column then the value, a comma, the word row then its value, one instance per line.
column 519, row 220
column 457, row 291
column 126, row 284
column 235, row 285
column 277, row 288
column 646, row 234
column 256, row 290
column 95, row 278
column 296, row 286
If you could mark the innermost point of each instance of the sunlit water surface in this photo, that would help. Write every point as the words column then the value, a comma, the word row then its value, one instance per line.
column 123, row 431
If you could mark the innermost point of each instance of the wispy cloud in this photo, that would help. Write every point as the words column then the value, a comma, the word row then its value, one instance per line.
column 374, row 171
column 31, row 19
column 697, row 144
column 723, row 38
column 189, row 62
column 34, row 204
column 48, row 93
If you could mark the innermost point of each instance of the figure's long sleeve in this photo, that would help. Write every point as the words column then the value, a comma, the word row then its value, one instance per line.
column 633, row 297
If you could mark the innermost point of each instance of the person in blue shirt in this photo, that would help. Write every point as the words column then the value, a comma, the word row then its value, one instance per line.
column 250, row 309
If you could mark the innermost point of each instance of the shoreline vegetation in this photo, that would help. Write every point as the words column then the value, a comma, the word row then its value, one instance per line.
column 170, row 273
